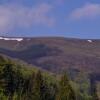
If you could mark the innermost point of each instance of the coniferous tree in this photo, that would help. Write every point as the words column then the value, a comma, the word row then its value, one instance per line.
column 40, row 88
column 94, row 92
column 36, row 92
column 8, row 74
column 19, row 83
column 65, row 91
column 93, row 89
column 29, row 84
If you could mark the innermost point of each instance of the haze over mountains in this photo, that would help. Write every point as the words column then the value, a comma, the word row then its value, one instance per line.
column 55, row 54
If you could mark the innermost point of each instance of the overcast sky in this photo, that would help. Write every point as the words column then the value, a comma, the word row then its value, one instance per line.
column 67, row 18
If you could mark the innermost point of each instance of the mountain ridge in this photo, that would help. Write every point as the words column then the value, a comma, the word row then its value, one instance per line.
column 55, row 54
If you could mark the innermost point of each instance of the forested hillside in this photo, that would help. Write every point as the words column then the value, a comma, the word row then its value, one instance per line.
column 55, row 54
column 52, row 57
column 19, row 82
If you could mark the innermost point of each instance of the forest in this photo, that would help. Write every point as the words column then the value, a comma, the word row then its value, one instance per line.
column 25, row 83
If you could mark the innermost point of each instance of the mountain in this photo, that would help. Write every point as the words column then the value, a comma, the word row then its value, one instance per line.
column 79, row 57
column 55, row 54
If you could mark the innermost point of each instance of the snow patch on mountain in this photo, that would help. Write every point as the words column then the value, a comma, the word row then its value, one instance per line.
column 16, row 39
column 90, row 41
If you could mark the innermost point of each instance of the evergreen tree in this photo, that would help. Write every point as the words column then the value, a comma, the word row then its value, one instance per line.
column 40, row 88
column 8, row 74
column 65, row 91
column 28, row 87
column 94, row 92
column 19, row 80
column 93, row 89
column 36, row 92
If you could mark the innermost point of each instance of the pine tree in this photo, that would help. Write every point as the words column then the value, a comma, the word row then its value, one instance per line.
column 40, row 89
column 94, row 92
column 19, row 83
column 36, row 92
column 29, row 84
column 8, row 75
column 93, row 89
column 65, row 91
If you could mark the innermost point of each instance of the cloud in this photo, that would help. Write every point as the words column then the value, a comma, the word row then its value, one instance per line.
column 88, row 11
column 59, row 2
column 12, row 16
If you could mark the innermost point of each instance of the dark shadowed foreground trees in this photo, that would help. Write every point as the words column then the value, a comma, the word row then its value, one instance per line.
column 94, row 93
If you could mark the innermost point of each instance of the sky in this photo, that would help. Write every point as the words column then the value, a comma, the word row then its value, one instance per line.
column 59, row 18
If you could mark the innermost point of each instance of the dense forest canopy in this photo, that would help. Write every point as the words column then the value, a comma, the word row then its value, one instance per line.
column 18, row 82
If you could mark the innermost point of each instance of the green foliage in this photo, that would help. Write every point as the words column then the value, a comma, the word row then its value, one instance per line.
column 39, row 89
column 65, row 91
column 18, row 82
column 8, row 74
column 2, row 96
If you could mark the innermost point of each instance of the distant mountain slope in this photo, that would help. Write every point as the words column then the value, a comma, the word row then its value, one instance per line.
column 55, row 54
